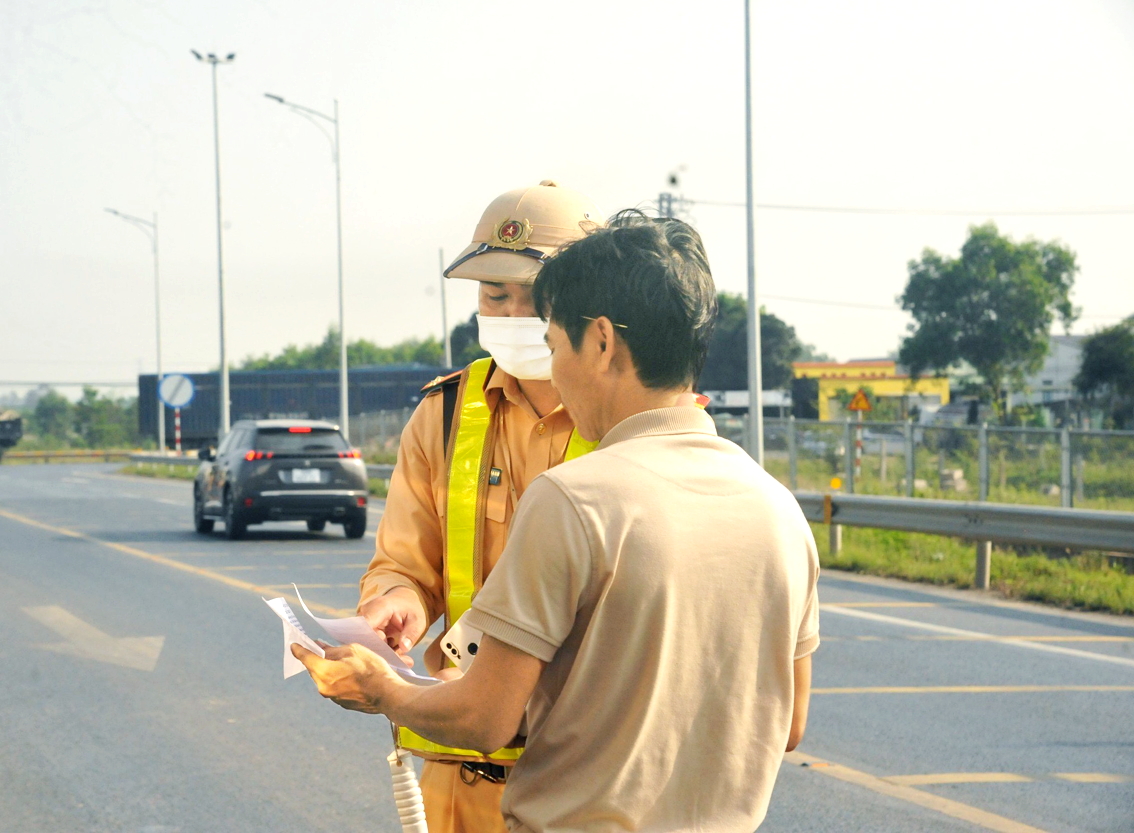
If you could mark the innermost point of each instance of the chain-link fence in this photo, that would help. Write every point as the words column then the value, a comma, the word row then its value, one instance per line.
column 378, row 433
column 1090, row 469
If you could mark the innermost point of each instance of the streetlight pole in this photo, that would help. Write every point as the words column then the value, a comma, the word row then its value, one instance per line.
column 445, row 314
column 308, row 113
column 150, row 229
column 225, row 420
column 755, row 377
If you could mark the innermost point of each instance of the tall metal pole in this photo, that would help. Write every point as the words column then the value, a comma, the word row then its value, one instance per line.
column 225, row 420
column 344, row 400
column 150, row 229
column 157, row 326
column 225, row 417
column 755, row 378
column 307, row 113
column 445, row 313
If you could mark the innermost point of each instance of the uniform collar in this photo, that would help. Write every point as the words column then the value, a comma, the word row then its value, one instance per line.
column 505, row 384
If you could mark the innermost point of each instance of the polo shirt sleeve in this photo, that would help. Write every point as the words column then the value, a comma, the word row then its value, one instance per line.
column 808, row 638
column 530, row 599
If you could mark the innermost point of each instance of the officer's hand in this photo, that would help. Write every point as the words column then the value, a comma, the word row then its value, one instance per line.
column 397, row 617
column 354, row 677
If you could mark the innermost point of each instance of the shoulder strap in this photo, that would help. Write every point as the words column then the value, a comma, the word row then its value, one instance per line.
column 449, row 406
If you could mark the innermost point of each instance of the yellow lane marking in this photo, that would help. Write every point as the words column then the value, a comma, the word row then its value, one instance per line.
column 879, row 604
column 237, row 567
column 1093, row 777
column 945, row 806
column 169, row 562
column 958, row 778
column 972, row 689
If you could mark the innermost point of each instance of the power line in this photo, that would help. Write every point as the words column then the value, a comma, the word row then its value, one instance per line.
column 35, row 384
column 821, row 302
column 940, row 212
column 892, row 308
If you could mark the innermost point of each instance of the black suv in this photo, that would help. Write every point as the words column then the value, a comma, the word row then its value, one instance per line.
column 281, row 470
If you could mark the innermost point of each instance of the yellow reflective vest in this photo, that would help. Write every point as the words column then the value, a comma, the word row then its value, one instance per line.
column 470, row 458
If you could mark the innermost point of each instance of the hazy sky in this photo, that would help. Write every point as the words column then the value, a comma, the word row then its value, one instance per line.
column 986, row 107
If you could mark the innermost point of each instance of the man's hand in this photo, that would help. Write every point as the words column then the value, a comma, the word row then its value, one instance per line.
column 354, row 677
column 398, row 617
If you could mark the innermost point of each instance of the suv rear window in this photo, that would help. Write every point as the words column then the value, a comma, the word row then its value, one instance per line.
column 283, row 441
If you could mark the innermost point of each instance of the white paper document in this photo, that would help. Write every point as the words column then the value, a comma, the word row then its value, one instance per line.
column 351, row 629
column 292, row 632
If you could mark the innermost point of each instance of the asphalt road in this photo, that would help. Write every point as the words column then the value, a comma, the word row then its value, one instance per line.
column 142, row 687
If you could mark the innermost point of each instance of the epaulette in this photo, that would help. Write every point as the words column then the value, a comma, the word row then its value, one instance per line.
column 441, row 381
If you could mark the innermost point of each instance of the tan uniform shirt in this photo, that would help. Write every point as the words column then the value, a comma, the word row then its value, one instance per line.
column 670, row 583
column 409, row 547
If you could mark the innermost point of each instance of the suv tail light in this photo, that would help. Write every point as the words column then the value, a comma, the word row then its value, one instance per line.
column 300, row 429
column 258, row 455
column 354, row 453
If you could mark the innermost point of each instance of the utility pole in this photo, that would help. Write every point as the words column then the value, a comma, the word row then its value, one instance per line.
column 445, row 313
column 307, row 113
column 755, row 379
column 150, row 229
column 225, row 404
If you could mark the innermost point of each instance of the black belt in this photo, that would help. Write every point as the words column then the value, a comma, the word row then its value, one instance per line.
column 494, row 773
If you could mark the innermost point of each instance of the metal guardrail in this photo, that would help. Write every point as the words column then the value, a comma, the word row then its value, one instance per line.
column 377, row 471
column 68, row 454
column 1005, row 523
column 1043, row 526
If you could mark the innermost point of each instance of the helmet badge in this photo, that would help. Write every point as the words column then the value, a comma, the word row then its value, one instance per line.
column 512, row 234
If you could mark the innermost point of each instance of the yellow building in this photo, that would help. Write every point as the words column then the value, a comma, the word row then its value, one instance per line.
column 880, row 376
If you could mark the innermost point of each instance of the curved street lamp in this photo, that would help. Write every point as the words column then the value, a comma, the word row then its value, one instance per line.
column 311, row 115
column 149, row 228
column 225, row 421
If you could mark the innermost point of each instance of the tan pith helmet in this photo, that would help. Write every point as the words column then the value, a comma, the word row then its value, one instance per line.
column 520, row 229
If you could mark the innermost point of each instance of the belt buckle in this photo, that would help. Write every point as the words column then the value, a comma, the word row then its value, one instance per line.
column 493, row 773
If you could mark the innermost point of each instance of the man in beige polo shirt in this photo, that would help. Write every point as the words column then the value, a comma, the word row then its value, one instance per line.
column 655, row 608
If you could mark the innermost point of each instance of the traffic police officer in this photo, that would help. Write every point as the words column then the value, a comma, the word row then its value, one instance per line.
column 475, row 442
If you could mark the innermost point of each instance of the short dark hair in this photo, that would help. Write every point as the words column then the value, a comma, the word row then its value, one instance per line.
column 650, row 275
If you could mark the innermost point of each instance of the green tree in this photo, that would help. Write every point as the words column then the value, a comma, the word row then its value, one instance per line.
column 1106, row 374
column 103, row 422
column 360, row 353
column 992, row 307
column 726, row 366
column 464, row 342
column 53, row 416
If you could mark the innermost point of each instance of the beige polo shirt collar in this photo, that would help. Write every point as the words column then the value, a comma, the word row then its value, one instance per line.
column 681, row 419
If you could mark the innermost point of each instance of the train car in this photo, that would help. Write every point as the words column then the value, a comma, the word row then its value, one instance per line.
column 268, row 394
column 11, row 429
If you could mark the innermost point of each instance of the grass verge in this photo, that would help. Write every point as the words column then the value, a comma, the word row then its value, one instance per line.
column 1084, row 581
column 177, row 472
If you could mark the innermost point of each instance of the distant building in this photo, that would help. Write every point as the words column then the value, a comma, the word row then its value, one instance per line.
column 817, row 384
column 776, row 403
column 1054, row 384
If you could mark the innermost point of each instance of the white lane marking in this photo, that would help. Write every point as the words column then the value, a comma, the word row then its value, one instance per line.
column 85, row 641
column 171, row 502
column 1035, row 646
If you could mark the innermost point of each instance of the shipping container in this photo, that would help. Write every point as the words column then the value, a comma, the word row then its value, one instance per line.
column 267, row 394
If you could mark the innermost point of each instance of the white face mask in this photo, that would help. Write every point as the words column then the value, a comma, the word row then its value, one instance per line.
column 517, row 345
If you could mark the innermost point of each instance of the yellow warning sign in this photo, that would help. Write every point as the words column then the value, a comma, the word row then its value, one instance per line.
column 859, row 402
